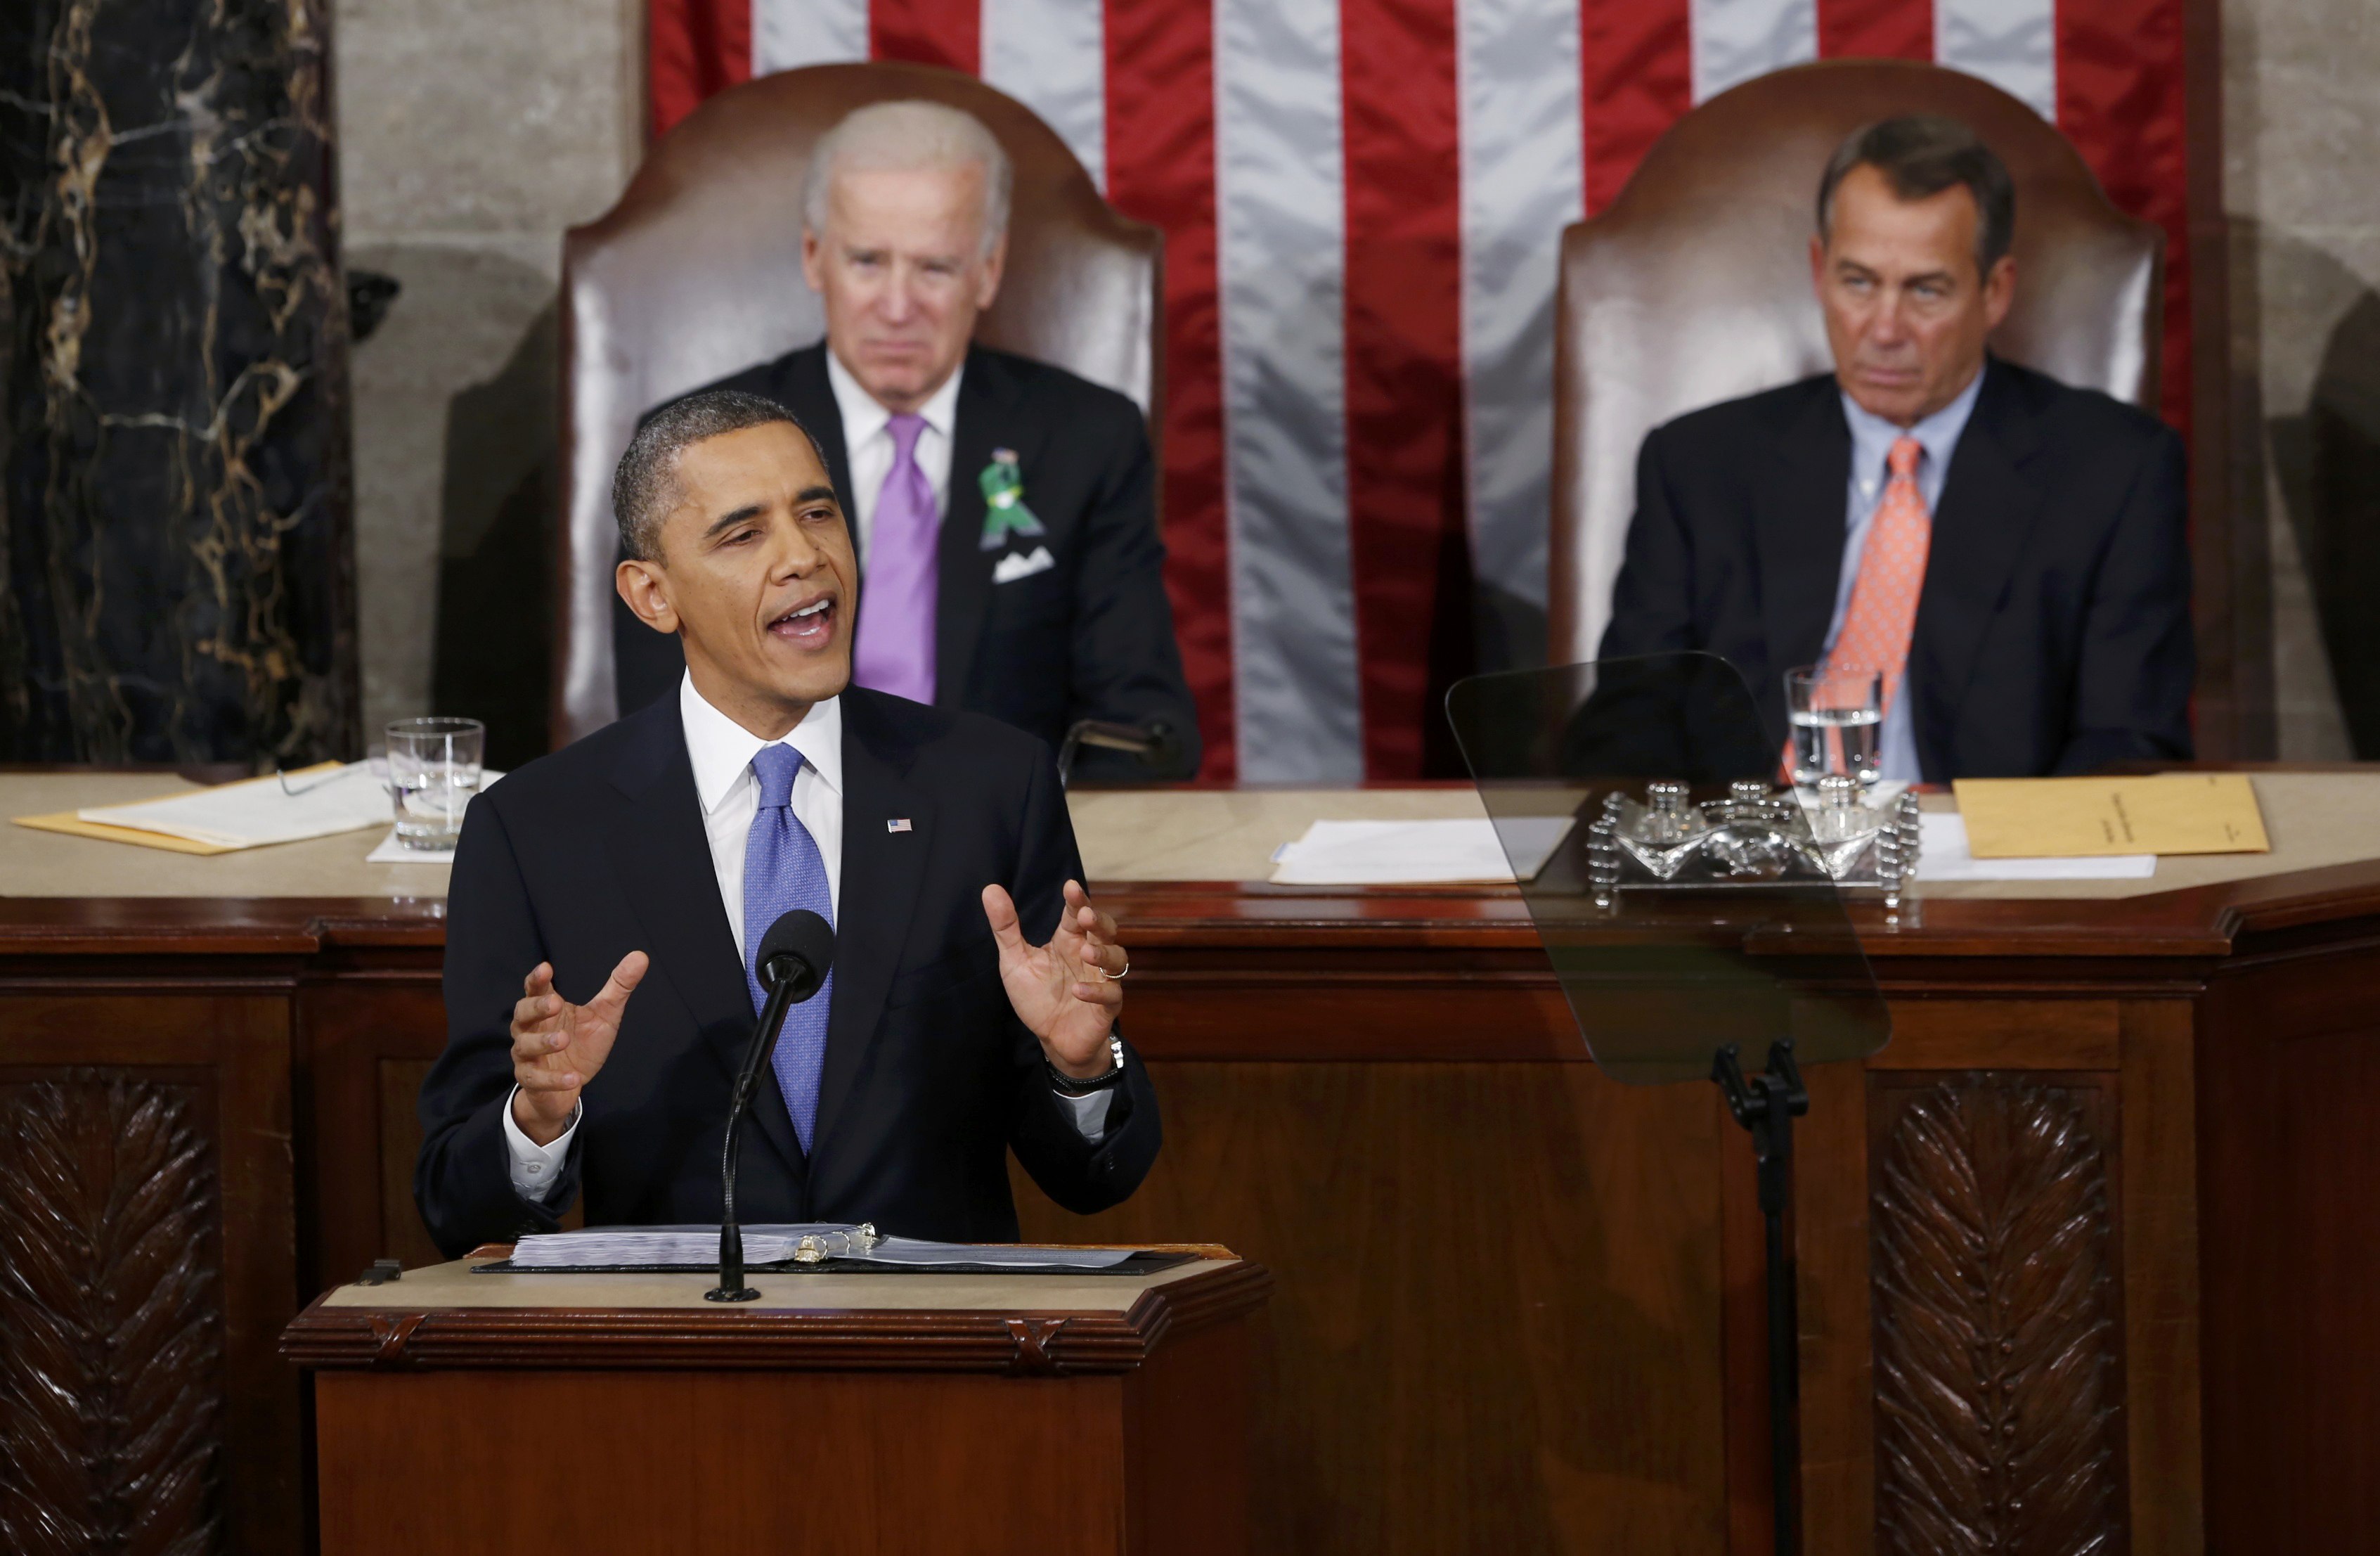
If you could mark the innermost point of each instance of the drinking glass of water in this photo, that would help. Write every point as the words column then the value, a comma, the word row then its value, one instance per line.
column 433, row 770
column 1837, row 713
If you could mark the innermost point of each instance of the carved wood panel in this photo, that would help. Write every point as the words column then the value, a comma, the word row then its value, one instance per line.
column 111, row 1315
column 1998, row 1367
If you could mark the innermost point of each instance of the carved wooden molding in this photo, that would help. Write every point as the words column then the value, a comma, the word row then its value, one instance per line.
column 1998, row 1392
column 111, row 1322
column 1028, row 1344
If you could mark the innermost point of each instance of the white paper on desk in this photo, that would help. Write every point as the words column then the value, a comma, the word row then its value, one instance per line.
column 1432, row 853
column 259, row 812
column 1942, row 856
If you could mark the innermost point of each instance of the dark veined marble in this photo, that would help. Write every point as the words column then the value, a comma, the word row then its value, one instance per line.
column 173, row 387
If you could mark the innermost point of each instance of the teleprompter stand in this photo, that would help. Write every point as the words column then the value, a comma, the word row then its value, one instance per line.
column 1767, row 1104
column 1727, row 934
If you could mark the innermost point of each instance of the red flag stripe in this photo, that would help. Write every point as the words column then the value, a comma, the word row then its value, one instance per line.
column 1161, row 168
column 695, row 48
column 1636, row 65
column 1410, row 551
column 1874, row 30
column 2119, row 101
column 945, row 32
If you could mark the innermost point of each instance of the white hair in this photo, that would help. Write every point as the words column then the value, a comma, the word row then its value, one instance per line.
column 898, row 137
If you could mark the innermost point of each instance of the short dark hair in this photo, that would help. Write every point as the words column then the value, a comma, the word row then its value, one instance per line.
column 1922, row 154
column 645, row 487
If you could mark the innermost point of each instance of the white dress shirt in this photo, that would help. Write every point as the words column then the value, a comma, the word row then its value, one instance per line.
column 867, row 443
column 721, row 751
column 1872, row 441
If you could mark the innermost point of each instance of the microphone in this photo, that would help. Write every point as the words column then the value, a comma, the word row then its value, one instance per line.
column 792, row 959
column 1154, row 743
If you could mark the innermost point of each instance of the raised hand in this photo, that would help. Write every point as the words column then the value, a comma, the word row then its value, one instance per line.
column 557, row 1047
column 1065, row 991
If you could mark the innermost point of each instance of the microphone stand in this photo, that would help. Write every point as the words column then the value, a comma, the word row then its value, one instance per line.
column 731, row 1287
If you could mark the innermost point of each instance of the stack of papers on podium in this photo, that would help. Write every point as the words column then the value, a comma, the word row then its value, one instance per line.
column 1436, row 853
column 257, row 811
column 696, row 1248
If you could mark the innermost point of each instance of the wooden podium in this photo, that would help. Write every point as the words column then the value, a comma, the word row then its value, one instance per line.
column 517, row 1415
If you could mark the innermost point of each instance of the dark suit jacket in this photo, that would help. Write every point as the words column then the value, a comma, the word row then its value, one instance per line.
column 929, row 1078
column 1091, row 637
column 2053, row 634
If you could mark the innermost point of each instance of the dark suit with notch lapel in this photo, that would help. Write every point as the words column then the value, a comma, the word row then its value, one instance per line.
column 2053, row 631
column 1089, row 637
column 929, row 1078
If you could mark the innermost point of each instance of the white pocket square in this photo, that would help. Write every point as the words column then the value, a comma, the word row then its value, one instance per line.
column 1013, row 566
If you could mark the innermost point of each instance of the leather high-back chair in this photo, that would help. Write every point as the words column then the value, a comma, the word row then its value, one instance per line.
column 1694, row 287
column 696, row 274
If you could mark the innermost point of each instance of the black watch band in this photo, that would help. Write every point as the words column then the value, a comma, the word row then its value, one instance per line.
column 1068, row 1086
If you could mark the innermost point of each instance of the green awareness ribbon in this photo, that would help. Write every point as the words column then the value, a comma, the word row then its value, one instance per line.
column 1004, row 513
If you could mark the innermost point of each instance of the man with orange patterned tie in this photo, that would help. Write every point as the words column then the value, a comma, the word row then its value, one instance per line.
column 2008, row 551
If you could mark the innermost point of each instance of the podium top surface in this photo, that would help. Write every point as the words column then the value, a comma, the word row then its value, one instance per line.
column 2316, row 819
column 455, row 1285
column 447, row 1316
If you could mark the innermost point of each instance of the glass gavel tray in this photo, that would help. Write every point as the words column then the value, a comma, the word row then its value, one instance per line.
column 1754, row 837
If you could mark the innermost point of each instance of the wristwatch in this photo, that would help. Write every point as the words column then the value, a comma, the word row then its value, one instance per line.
column 1069, row 1087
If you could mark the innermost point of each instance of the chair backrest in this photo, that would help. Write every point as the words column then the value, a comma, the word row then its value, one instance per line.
column 696, row 274
column 1694, row 287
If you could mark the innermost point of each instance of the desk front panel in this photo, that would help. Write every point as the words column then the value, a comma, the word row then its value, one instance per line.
column 1519, row 1305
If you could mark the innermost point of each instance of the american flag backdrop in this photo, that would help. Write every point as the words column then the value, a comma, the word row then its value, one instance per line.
column 1362, row 201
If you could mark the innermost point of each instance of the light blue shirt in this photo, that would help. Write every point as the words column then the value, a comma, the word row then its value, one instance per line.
column 1872, row 441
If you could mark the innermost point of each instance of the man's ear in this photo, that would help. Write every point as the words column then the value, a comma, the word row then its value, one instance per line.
column 2000, row 291
column 1818, row 265
column 988, row 281
column 645, row 588
column 813, row 261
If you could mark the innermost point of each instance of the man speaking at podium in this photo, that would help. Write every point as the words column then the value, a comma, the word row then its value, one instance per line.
column 607, row 902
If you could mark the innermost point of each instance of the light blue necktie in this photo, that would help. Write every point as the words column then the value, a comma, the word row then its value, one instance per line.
column 784, row 871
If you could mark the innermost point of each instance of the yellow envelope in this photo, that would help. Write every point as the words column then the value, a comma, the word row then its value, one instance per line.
column 75, row 826
column 2080, row 817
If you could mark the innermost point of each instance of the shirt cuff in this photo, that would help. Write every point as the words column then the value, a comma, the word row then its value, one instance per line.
column 536, row 1168
column 1090, row 1114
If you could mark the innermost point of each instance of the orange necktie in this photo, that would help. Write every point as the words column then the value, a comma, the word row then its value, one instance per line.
column 1882, row 615
column 1883, row 612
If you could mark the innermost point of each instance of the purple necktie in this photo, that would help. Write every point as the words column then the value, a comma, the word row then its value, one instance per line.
column 895, row 650
column 784, row 871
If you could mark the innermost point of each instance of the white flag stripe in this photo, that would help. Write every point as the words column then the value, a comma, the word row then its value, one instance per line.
column 1280, row 230
column 1051, row 56
column 2011, row 43
column 1737, row 40
column 1522, row 150
column 787, row 34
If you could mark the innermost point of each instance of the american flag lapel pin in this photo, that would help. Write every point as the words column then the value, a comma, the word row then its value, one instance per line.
column 898, row 823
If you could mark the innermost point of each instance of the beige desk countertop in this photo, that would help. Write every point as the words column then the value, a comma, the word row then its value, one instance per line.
column 2315, row 819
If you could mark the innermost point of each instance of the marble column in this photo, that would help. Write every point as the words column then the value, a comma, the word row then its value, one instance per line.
column 173, row 446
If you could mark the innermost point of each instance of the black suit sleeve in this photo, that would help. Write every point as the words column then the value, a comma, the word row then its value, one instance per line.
column 463, row 1179
column 1086, row 1177
column 2136, row 664
column 1652, row 600
column 1125, row 662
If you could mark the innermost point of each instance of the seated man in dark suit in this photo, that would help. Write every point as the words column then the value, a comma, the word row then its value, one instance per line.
column 608, row 901
column 2007, row 551
column 1004, row 509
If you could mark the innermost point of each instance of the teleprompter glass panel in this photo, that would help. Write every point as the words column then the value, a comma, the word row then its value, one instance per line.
column 1676, row 890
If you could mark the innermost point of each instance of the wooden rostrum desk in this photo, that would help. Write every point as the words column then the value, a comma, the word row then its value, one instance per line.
column 477, row 1414
column 2098, row 1221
